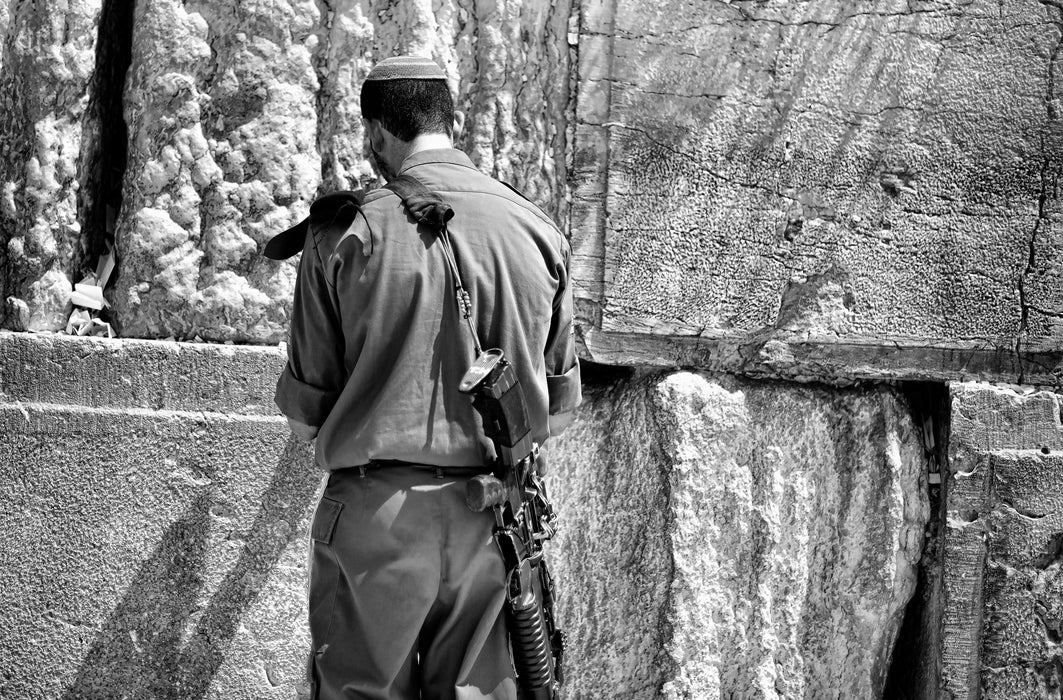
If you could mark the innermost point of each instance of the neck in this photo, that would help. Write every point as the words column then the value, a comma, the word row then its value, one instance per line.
column 423, row 142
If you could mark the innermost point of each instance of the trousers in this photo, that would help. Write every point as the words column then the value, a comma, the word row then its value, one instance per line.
column 406, row 591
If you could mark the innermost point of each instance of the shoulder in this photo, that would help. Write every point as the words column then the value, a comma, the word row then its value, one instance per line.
column 501, row 196
column 526, row 201
column 380, row 203
column 330, row 216
column 504, row 191
column 308, row 233
column 542, row 221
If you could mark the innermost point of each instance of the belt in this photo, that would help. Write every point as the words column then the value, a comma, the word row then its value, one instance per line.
column 440, row 472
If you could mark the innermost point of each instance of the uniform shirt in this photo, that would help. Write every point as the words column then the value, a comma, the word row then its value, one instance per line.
column 377, row 346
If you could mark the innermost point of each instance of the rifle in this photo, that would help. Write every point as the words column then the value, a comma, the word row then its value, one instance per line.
column 524, row 520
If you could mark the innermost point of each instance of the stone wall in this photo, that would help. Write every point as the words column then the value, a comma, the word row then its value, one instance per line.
column 818, row 189
column 720, row 537
column 155, row 512
column 767, row 188
column 49, row 53
column 723, row 538
column 235, row 116
column 1003, row 555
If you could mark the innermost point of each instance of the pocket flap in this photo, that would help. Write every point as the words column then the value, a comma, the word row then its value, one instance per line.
column 328, row 512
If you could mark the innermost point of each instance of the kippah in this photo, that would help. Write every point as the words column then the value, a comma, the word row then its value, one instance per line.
column 406, row 68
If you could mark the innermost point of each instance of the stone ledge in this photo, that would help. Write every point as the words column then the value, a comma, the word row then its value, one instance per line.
column 830, row 359
column 128, row 373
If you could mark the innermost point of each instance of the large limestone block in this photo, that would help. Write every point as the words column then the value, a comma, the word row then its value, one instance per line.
column 154, row 542
column 1003, row 559
column 240, row 113
column 220, row 103
column 723, row 538
column 822, row 188
column 45, row 81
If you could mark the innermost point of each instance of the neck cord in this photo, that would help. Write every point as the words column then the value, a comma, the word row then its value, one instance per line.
column 461, row 296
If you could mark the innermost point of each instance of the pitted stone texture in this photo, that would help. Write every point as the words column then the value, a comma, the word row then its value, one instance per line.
column 45, row 76
column 342, row 63
column 1003, row 561
column 155, row 515
column 512, row 62
column 723, row 538
column 220, row 104
column 825, row 171
column 240, row 116
column 158, row 375
column 152, row 554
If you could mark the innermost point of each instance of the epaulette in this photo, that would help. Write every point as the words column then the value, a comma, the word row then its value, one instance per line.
column 517, row 192
column 324, row 209
column 529, row 200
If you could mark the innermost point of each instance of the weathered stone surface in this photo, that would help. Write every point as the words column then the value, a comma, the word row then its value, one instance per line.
column 101, row 373
column 238, row 117
column 718, row 534
column 155, row 540
column 220, row 103
column 780, row 188
column 151, row 554
column 724, row 538
column 763, row 209
column 1003, row 561
column 45, row 76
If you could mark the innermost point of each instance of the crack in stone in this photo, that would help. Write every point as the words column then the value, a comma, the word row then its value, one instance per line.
column 1023, row 511
column 1052, row 553
column 104, row 158
column 1053, row 116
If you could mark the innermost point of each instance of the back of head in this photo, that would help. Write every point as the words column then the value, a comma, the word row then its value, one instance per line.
column 409, row 96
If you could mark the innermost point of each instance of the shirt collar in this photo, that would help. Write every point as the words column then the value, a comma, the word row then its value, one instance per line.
column 436, row 155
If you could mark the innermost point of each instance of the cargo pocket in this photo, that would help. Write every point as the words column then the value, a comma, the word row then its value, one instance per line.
column 324, row 576
column 328, row 513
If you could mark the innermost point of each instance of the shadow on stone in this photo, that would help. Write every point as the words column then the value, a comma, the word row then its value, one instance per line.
column 142, row 650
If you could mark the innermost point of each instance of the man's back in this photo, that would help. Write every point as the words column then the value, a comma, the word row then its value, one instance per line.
column 408, row 590
column 405, row 346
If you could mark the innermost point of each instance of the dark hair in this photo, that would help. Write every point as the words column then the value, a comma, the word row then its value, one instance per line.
column 408, row 108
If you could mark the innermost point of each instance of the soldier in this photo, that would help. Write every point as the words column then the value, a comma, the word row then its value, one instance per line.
column 406, row 583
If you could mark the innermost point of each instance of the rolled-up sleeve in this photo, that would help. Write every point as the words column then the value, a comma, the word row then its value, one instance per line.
column 562, row 365
column 314, row 376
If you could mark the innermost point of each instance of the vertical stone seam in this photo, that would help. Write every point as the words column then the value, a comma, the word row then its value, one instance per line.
column 205, row 215
column 1053, row 117
column 321, row 99
column 967, row 671
column 943, row 436
column 12, row 279
column 666, row 459
column 568, row 191
column 473, row 23
column 105, row 143
column 596, row 271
